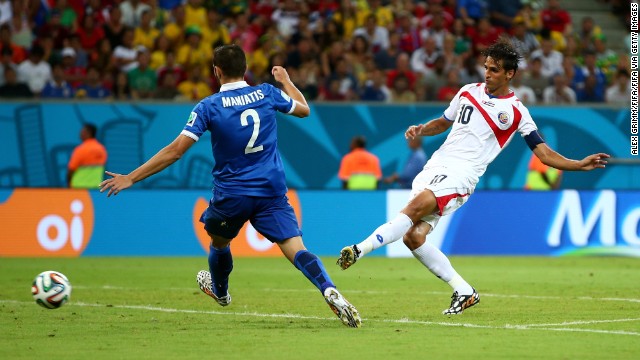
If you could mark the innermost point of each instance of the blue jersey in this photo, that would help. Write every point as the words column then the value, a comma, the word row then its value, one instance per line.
column 244, row 141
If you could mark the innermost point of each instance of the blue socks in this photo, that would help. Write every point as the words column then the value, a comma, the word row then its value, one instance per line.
column 312, row 268
column 220, row 266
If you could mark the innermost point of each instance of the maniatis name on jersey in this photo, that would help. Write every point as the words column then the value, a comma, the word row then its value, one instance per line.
column 242, row 99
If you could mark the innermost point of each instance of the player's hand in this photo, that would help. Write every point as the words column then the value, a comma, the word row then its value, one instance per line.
column 594, row 161
column 115, row 184
column 280, row 74
column 413, row 131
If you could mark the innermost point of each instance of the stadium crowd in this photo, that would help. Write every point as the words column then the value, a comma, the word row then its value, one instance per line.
column 391, row 51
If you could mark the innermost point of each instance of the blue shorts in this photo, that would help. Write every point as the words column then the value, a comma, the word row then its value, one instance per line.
column 273, row 217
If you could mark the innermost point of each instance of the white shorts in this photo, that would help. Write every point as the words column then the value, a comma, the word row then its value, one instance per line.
column 452, row 189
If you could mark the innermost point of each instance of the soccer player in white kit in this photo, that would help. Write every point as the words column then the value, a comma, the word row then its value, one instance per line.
column 483, row 118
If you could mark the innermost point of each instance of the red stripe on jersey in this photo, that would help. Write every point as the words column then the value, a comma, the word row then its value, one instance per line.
column 442, row 201
column 501, row 135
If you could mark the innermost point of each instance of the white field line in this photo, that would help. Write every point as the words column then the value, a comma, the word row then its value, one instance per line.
column 375, row 292
column 541, row 327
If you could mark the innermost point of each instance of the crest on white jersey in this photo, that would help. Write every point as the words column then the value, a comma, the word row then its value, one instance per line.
column 285, row 96
column 192, row 119
column 503, row 117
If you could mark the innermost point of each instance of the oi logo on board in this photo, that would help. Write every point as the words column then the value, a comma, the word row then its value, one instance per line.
column 46, row 222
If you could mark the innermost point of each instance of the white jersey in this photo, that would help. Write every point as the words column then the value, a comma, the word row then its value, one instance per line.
column 483, row 125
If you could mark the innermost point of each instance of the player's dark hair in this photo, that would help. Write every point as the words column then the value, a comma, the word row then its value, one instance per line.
column 503, row 50
column 91, row 129
column 231, row 60
column 359, row 142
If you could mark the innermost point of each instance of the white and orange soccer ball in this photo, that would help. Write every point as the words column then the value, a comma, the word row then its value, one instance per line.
column 51, row 289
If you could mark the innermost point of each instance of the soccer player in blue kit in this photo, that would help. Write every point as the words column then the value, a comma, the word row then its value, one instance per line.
column 248, row 176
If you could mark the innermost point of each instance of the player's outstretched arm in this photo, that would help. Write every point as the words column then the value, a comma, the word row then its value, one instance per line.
column 281, row 76
column 160, row 161
column 433, row 127
column 552, row 158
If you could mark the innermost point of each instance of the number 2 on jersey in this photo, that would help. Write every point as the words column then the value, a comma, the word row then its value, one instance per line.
column 256, row 129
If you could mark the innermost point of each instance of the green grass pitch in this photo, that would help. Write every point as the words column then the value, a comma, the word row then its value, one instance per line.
column 151, row 308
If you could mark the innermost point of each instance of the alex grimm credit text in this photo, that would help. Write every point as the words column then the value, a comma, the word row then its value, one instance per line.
column 634, row 78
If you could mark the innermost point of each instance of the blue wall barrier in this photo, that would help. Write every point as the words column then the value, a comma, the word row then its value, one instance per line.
column 36, row 140
column 63, row 222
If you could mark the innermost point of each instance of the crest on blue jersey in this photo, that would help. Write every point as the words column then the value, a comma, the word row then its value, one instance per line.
column 192, row 119
column 503, row 117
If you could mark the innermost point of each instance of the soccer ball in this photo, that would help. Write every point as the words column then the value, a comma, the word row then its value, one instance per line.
column 51, row 289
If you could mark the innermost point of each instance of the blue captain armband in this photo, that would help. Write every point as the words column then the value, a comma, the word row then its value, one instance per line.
column 533, row 139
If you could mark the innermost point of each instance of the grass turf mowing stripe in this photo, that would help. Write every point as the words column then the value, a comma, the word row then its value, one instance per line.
column 541, row 327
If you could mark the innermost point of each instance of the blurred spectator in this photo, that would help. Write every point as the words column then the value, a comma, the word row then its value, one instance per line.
column 529, row 16
column 559, row 92
column 429, row 84
column 462, row 40
column 171, row 67
column 524, row 41
column 114, row 28
column 484, row 35
column 142, row 80
column 470, row 72
column 101, row 56
column 587, row 33
column 258, row 61
column 551, row 59
column 402, row 68
column 74, row 75
column 555, row 18
column 301, row 52
column 19, row 54
column 161, row 47
column 12, row 88
column 5, row 62
column 121, row 90
column 21, row 32
column 606, row 59
column 307, row 79
column 55, row 29
column 619, row 93
column 145, row 34
column 167, row 89
column 470, row 11
column 57, row 87
column 424, row 58
column 348, row 85
column 92, row 88
column 503, row 12
column 383, row 13
column 34, row 71
column 358, row 56
column 386, row 59
column 435, row 8
column 400, row 90
column 243, row 35
column 409, row 33
column 81, row 55
column 175, row 30
column 194, row 88
column 90, row 33
column 194, row 52
column 215, row 33
column 6, row 11
column 345, row 18
column 132, row 12
column 522, row 92
column 589, row 81
column 436, row 31
column 125, row 55
column 95, row 10
column 359, row 169
column 375, row 88
column 286, row 17
column 449, row 91
column 377, row 36
column 534, row 79
column 68, row 15
column 195, row 14
column 415, row 162
column 331, row 91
